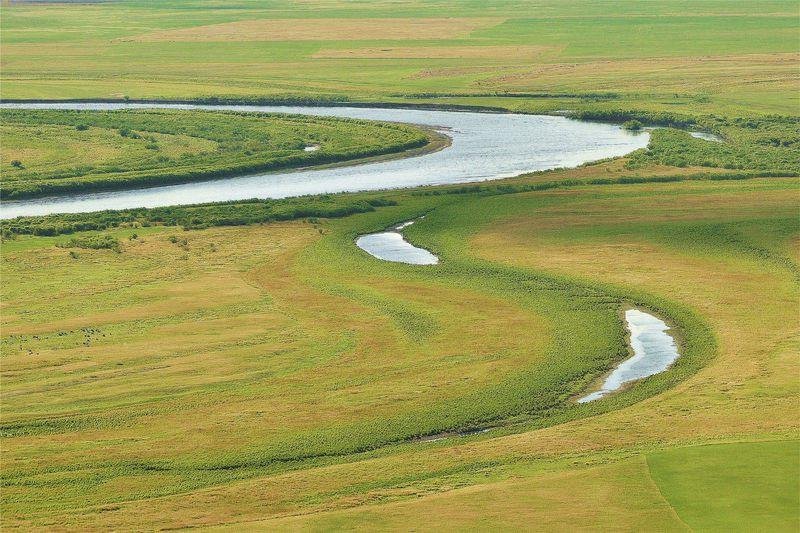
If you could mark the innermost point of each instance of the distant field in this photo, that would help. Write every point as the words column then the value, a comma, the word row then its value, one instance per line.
column 665, row 55
column 57, row 152
column 324, row 29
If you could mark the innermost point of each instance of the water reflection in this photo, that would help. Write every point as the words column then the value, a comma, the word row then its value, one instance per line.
column 654, row 351
column 391, row 246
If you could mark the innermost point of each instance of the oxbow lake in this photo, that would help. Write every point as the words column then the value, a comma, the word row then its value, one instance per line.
column 390, row 245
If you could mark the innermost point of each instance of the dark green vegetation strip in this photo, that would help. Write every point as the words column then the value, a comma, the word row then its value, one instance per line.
column 234, row 144
column 747, row 486
column 238, row 213
column 245, row 212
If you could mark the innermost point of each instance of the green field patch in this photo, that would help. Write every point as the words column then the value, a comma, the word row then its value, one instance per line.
column 745, row 486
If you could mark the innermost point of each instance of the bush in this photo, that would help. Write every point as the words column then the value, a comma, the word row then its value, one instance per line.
column 632, row 125
column 771, row 144
column 16, row 163
column 99, row 241
column 81, row 127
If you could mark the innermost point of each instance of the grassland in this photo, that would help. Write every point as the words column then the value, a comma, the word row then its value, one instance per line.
column 243, row 366
column 666, row 55
column 57, row 152
column 315, row 363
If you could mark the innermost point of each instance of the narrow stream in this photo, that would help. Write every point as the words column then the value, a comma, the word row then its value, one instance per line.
column 390, row 245
column 654, row 350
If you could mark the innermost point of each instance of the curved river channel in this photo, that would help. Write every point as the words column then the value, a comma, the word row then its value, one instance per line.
column 484, row 146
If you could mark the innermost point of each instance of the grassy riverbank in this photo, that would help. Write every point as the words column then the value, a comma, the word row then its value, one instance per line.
column 60, row 152
column 768, row 147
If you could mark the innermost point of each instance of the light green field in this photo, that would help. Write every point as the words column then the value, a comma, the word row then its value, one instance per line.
column 770, row 468
column 665, row 55
column 244, row 366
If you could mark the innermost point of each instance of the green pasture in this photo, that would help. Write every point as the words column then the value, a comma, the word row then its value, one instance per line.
column 734, row 487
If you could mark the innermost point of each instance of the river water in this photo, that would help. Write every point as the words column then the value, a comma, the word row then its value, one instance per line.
column 485, row 146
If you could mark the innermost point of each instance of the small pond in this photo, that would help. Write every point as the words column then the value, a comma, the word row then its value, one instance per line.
column 706, row 136
column 654, row 350
column 390, row 245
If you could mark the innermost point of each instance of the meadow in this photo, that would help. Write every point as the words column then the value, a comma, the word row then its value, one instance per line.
column 244, row 366
column 665, row 55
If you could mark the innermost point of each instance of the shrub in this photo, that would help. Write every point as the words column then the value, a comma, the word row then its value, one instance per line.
column 99, row 241
column 16, row 163
column 632, row 125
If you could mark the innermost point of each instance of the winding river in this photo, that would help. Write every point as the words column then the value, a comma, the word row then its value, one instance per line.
column 485, row 146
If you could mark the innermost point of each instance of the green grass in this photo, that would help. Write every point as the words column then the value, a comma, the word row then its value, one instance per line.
column 748, row 486
column 56, row 152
